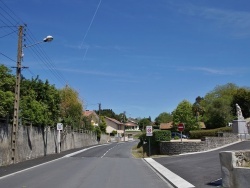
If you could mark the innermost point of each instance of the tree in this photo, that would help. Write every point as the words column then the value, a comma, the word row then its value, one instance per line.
column 71, row 107
column 39, row 102
column 217, row 106
column 242, row 98
column 7, row 87
column 103, row 125
column 184, row 114
column 143, row 123
column 163, row 118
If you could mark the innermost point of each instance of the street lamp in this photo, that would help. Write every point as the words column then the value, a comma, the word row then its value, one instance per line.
column 17, row 89
column 46, row 39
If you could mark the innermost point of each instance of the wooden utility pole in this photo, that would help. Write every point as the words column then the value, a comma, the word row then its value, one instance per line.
column 17, row 96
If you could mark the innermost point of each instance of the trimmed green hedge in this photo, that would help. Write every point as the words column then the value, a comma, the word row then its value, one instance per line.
column 158, row 136
column 199, row 134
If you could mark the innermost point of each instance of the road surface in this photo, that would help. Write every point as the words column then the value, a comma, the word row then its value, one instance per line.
column 105, row 166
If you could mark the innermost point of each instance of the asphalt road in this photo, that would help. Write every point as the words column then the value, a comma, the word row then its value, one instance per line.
column 203, row 170
column 106, row 166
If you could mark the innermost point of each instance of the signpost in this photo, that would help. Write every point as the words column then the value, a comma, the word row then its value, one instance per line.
column 149, row 132
column 59, row 128
column 181, row 127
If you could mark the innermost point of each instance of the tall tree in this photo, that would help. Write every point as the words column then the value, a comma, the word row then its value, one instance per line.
column 71, row 107
column 143, row 123
column 39, row 102
column 7, row 87
column 163, row 118
column 184, row 114
column 217, row 105
column 242, row 98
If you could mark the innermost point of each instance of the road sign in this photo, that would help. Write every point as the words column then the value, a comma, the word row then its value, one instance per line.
column 59, row 126
column 181, row 127
column 149, row 131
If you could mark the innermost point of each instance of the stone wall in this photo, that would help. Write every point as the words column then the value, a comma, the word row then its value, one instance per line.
column 33, row 142
column 188, row 146
column 234, row 174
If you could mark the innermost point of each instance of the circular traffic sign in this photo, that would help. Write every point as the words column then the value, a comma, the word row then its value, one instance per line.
column 181, row 127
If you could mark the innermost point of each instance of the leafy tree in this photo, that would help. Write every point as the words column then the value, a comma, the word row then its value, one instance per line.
column 39, row 102
column 242, row 98
column 143, row 123
column 103, row 125
column 7, row 88
column 98, row 133
column 163, row 118
column 87, row 123
column 184, row 114
column 217, row 105
column 122, row 117
column 107, row 112
column 71, row 107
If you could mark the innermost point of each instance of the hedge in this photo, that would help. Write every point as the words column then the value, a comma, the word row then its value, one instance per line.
column 199, row 134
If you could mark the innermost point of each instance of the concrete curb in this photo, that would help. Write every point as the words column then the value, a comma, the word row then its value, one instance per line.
column 171, row 177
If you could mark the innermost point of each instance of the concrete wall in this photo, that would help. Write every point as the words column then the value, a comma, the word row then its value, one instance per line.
column 234, row 174
column 187, row 146
column 33, row 142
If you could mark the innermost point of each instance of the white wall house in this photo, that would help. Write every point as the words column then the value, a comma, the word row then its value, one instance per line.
column 114, row 125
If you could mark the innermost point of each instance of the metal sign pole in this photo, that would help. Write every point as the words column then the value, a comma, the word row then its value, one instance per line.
column 59, row 140
column 149, row 149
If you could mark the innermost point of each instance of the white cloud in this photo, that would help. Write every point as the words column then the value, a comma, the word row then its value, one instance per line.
column 215, row 71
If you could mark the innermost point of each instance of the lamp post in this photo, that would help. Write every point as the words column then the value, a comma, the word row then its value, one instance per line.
column 17, row 90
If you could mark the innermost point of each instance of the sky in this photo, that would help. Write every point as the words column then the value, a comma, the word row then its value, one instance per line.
column 143, row 57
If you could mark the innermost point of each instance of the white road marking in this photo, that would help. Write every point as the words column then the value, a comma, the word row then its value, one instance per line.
column 173, row 178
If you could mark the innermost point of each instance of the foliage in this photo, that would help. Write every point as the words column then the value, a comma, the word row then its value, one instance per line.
column 184, row 114
column 163, row 118
column 113, row 133
column 39, row 102
column 7, row 87
column 98, row 132
column 103, row 125
column 242, row 98
column 143, row 123
column 163, row 135
column 154, row 140
column 87, row 123
column 217, row 105
column 71, row 107
column 199, row 134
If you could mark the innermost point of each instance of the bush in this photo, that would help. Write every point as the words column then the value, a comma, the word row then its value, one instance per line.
column 154, row 141
column 162, row 135
column 199, row 134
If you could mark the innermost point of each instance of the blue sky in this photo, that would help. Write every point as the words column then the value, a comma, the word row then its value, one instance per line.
column 143, row 57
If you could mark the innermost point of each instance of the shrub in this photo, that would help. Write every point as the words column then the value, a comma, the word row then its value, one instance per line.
column 199, row 134
column 154, row 140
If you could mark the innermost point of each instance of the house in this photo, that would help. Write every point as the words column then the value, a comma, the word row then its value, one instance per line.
column 114, row 125
column 166, row 126
column 92, row 116
column 131, row 125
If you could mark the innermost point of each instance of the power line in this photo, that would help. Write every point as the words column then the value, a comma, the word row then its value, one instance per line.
column 7, row 57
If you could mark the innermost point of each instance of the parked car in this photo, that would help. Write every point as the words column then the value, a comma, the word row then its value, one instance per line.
column 177, row 134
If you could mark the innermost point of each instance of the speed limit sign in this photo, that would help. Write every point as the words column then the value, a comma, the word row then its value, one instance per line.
column 149, row 131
